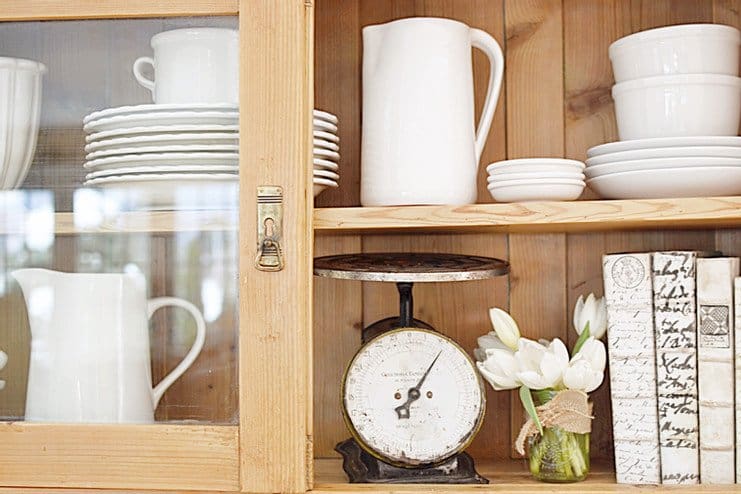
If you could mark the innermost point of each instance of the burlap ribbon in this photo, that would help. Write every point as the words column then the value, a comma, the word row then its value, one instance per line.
column 569, row 409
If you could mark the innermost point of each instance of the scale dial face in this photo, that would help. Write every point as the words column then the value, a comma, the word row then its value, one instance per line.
column 413, row 397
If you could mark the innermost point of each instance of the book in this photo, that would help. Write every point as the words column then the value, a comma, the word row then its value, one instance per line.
column 673, row 280
column 632, row 361
column 715, row 373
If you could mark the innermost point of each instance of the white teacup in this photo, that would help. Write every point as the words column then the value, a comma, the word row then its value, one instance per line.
column 195, row 65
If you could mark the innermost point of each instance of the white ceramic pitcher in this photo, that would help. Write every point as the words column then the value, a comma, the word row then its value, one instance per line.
column 419, row 144
column 90, row 357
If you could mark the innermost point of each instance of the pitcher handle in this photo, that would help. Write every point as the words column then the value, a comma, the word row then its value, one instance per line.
column 157, row 303
column 486, row 43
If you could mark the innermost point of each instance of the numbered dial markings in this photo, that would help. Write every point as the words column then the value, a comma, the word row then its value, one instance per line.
column 413, row 397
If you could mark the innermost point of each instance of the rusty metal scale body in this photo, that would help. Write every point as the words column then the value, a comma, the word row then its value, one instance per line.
column 412, row 398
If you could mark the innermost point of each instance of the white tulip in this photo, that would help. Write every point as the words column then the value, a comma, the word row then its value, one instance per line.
column 505, row 327
column 592, row 311
column 541, row 366
column 489, row 340
column 586, row 370
column 3, row 361
column 499, row 368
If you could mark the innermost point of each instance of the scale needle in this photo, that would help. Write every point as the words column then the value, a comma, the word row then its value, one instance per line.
column 413, row 394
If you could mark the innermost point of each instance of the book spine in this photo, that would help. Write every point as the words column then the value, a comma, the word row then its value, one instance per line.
column 632, row 360
column 673, row 279
column 737, row 352
column 715, row 369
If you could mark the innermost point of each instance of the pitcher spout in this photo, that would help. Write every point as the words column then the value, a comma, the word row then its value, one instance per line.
column 31, row 278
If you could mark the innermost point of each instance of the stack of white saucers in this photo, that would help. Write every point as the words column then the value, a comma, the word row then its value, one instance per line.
column 535, row 179
column 326, row 151
column 666, row 167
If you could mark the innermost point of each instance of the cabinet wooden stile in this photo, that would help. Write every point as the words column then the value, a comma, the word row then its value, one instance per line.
column 296, row 334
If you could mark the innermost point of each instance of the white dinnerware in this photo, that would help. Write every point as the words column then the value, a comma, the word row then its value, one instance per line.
column 151, row 119
column 163, row 130
column 325, row 126
column 165, row 139
column 329, row 136
column 535, row 165
column 326, row 154
column 326, row 116
column 175, row 148
column 663, row 142
column 326, row 174
column 107, row 172
column 325, row 164
column 501, row 177
column 536, row 190
column 669, row 182
column 155, row 108
column 193, row 65
column 325, row 144
column 163, row 159
column 668, row 152
column 418, row 111
column 678, row 105
column 681, row 49
column 659, row 163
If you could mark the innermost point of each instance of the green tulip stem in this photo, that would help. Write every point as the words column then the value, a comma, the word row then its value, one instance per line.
column 582, row 339
column 527, row 402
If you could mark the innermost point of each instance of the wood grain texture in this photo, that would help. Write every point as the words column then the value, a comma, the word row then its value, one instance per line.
column 119, row 456
column 275, row 357
column 96, row 9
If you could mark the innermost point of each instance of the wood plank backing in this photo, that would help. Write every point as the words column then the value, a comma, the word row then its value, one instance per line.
column 275, row 357
column 96, row 9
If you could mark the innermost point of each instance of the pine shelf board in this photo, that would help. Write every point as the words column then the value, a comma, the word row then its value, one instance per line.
column 505, row 477
column 571, row 216
column 38, row 10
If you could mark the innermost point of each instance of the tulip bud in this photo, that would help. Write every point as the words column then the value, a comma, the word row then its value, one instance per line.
column 505, row 327
column 592, row 311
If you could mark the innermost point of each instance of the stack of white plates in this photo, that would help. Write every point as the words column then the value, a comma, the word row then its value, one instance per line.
column 154, row 151
column 666, row 167
column 536, row 179
column 326, row 151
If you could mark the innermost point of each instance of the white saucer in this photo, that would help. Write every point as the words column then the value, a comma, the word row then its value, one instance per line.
column 173, row 159
column 325, row 144
column 536, row 190
column 164, row 130
column 326, row 154
column 329, row 165
column 330, row 136
column 659, row 163
column 191, row 139
column 677, row 152
column 669, row 182
column 326, row 174
column 325, row 181
column 152, row 119
column 153, row 107
column 324, row 115
column 162, row 169
column 527, row 176
column 534, row 165
column 663, row 142
column 324, row 126
column 176, row 148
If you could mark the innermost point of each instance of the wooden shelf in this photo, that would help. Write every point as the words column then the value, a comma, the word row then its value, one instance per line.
column 38, row 10
column 504, row 477
column 712, row 212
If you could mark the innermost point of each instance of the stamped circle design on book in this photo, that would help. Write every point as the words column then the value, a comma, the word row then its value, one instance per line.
column 628, row 272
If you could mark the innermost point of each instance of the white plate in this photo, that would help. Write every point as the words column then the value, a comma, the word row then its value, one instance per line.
column 153, row 108
column 659, row 163
column 191, row 139
column 324, row 126
column 173, row 159
column 677, row 152
column 325, row 181
column 325, row 115
column 329, row 165
column 330, row 136
column 537, row 190
column 163, row 130
column 177, row 148
column 326, row 174
column 663, row 142
column 526, row 176
column 326, row 154
column 171, row 191
column 669, row 182
column 153, row 119
column 162, row 169
column 534, row 165
column 325, row 144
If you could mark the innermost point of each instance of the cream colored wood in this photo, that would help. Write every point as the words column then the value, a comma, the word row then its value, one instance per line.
column 276, row 307
column 13, row 10
column 119, row 456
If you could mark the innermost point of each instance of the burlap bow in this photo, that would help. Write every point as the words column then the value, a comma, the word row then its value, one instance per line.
column 569, row 409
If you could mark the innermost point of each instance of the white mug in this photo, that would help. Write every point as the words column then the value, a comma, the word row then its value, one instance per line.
column 196, row 65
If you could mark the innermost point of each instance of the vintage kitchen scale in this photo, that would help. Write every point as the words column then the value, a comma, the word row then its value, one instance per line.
column 411, row 397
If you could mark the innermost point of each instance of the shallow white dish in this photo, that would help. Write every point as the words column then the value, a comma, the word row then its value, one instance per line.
column 535, row 165
column 165, row 139
column 325, row 115
column 659, row 164
column 325, row 144
column 663, row 142
column 153, row 108
column 153, row 119
column 669, row 182
column 678, row 105
column 173, row 159
column 536, row 190
column 162, row 131
column 326, row 174
column 325, row 126
column 680, row 49
column 162, row 169
column 668, row 152
column 324, row 164
column 329, row 136
column 175, row 148
column 325, row 181
column 534, row 175
column 326, row 154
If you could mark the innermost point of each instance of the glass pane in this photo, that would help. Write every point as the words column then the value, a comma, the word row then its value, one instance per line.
column 80, row 344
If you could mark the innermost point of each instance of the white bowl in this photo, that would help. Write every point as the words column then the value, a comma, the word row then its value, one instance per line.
column 669, row 182
column 663, row 142
column 20, row 109
column 675, row 152
column 501, row 177
column 326, row 174
column 536, row 190
column 682, row 49
column 535, row 165
column 678, row 105
column 659, row 163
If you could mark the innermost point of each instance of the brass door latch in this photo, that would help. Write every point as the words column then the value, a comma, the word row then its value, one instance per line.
column 269, row 228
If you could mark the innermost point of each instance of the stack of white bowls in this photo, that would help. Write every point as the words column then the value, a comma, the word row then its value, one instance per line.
column 535, row 179
column 326, row 151
column 678, row 106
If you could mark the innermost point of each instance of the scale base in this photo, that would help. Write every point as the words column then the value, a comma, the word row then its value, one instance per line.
column 362, row 468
